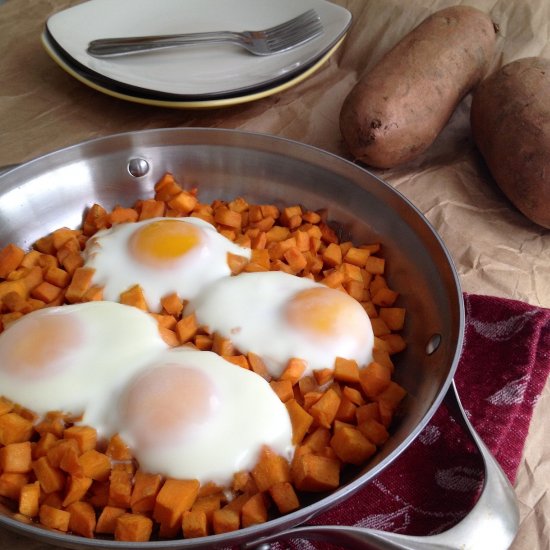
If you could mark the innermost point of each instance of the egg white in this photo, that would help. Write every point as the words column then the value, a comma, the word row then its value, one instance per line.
column 116, row 270
column 245, row 414
column 249, row 309
column 116, row 340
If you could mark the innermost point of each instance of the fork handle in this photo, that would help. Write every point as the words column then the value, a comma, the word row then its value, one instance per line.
column 112, row 47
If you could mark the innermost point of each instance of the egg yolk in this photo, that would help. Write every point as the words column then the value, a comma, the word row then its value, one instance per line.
column 39, row 346
column 167, row 403
column 325, row 312
column 162, row 242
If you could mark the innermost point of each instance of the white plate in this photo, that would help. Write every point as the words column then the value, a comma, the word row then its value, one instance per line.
column 198, row 71
column 180, row 103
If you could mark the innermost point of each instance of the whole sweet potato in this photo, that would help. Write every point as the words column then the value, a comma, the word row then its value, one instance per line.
column 398, row 108
column 510, row 121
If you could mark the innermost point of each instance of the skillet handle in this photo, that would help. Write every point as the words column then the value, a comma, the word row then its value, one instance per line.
column 492, row 523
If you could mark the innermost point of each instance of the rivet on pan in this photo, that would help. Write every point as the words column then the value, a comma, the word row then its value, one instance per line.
column 433, row 343
column 138, row 167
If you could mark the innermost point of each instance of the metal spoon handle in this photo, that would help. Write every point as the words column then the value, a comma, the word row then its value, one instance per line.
column 492, row 523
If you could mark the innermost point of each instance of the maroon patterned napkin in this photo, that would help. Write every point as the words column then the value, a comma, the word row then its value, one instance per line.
column 503, row 368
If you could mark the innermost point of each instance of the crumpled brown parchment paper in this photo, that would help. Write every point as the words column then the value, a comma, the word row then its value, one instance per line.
column 496, row 250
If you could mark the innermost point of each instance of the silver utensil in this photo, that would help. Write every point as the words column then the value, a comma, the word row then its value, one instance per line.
column 277, row 39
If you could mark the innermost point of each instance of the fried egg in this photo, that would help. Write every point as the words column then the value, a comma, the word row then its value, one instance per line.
column 280, row 316
column 194, row 415
column 162, row 255
column 64, row 358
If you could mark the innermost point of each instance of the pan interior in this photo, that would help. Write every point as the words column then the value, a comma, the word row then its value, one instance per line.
column 54, row 190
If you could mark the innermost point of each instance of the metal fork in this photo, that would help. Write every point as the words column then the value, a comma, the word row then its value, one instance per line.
column 270, row 41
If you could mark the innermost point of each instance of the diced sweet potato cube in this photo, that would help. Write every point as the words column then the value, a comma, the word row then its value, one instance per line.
column 95, row 465
column 254, row 510
column 258, row 366
column 11, row 484
column 175, row 497
column 315, row 473
column 284, row 497
column 300, row 419
column 270, row 469
column 186, row 328
column 225, row 216
column 333, row 279
column 366, row 412
column 324, row 410
column 134, row 297
column 133, row 528
column 51, row 479
column 54, row 518
column 29, row 499
column 332, row 255
column 6, row 406
column 172, row 304
column 375, row 265
column 374, row 378
column 317, row 440
column 14, row 302
column 203, row 342
column 195, row 524
column 59, row 449
column 71, row 261
column 357, row 256
column 394, row 317
column 295, row 259
column 283, row 389
column 208, row 504
column 225, row 520
column 14, row 428
column 395, row 342
column 16, row 457
column 77, row 487
column 151, row 208
column 307, row 384
column 120, row 488
column 85, row 436
column 384, row 297
column 346, row 410
column 236, row 263
column 117, row 449
column 346, row 370
column 57, row 276
column 144, row 493
column 123, row 215
column 82, row 520
column 183, row 203
column 46, row 292
column 43, row 445
column 10, row 258
column 80, row 283
column 294, row 370
column 374, row 431
column 106, row 522
column 392, row 395
column 353, row 395
column 167, row 188
column 351, row 446
column 323, row 376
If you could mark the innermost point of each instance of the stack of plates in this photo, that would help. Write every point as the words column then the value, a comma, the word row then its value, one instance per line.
column 189, row 77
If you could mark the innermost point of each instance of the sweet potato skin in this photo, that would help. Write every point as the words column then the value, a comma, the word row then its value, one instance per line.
column 398, row 108
column 510, row 121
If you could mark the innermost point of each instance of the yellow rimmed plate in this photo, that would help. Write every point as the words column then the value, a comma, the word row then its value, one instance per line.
column 189, row 73
column 126, row 95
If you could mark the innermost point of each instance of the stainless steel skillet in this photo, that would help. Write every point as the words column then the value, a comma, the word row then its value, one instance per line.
column 53, row 191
